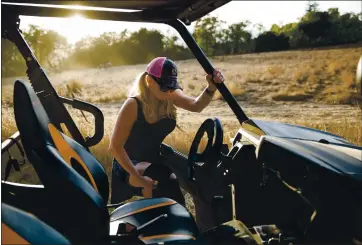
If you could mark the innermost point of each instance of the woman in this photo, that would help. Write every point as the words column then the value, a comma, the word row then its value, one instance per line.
column 144, row 120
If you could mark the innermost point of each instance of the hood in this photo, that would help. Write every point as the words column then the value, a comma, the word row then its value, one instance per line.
column 283, row 130
column 293, row 151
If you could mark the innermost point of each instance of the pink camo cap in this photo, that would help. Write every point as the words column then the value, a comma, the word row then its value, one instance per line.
column 164, row 71
column 155, row 66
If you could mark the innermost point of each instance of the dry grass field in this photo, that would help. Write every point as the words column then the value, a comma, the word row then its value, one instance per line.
column 313, row 88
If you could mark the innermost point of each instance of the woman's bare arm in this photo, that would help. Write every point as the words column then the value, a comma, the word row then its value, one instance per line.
column 180, row 99
column 184, row 101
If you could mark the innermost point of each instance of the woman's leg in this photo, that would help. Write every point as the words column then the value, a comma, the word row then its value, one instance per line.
column 168, row 185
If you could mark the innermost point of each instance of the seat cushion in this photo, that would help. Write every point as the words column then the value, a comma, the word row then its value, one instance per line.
column 178, row 225
column 19, row 227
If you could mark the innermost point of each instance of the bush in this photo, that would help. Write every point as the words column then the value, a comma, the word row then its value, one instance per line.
column 270, row 41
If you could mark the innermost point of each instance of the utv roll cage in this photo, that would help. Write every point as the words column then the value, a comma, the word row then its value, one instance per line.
column 175, row 13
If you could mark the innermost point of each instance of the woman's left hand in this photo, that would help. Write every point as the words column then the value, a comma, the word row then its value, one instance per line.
column 217, row 77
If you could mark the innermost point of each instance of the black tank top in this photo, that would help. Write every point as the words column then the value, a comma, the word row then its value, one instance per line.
column 144, row 141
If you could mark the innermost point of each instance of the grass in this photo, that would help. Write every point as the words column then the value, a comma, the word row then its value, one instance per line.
column 181, row 140
column 114, row 97
column 235, row 90
column 75, row 86
column 353, row 132
column 275, row 71
column 191, row 86
column 331, row 84
column 294, row 96
column 69, row 88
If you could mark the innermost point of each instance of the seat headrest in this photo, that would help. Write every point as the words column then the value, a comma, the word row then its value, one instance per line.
column 37, row 132
column 30, row 116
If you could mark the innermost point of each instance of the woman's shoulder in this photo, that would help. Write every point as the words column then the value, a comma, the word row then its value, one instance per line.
column 130, row 101
column 133, row 105
column 130, row 104
column 135, row 99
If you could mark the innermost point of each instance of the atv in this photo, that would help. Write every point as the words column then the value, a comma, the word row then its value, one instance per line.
column 277, row 184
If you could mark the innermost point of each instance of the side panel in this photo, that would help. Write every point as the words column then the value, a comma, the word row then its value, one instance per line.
column 328, row 180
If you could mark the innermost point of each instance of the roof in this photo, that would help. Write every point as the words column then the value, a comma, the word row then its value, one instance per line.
column 130, row 10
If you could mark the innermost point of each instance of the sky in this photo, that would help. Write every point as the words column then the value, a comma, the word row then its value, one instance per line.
column 261, row 12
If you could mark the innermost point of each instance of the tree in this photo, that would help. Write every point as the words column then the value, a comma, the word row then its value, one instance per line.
column 175, row 51
column 315, row 28
column 312, row 6
column 238, row 38
column 346, row 28
column 315, row 25
column 206, row 32
column 44, row 43
column 259, row 27
column 13, row 63
column 291, row 30
column 270, row 41
column 276, row 29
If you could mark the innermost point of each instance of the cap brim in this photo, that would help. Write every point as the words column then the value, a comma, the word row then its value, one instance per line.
column 171, row 84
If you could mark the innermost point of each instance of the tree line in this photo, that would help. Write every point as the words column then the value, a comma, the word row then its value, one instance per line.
column 314, row 29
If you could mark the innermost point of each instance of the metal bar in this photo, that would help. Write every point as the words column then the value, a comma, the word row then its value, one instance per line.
column 8, row 143
column 139, row 229
column 66, row 12
column 22, row 185
column 232, row 190
column 209, row 69
column 98, row 118
column 46, row 93
column 147, row 11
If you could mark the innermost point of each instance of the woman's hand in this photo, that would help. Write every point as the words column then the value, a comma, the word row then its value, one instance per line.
column 145, row 182
column 216, row 77
column 141, row 181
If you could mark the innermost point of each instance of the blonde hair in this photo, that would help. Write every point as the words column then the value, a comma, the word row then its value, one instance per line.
column 153, row 108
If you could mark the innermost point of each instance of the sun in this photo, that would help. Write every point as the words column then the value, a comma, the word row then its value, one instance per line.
column 75, row 28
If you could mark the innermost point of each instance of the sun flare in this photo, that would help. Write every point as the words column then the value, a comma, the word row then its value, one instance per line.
column 75, row 28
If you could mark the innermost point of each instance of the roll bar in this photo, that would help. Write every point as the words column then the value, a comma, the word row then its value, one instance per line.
column 209, row 69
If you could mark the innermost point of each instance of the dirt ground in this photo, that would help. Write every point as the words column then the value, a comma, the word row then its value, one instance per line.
column 287, row 112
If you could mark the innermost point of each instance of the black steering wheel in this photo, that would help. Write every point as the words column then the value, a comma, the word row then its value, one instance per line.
column 210, row 155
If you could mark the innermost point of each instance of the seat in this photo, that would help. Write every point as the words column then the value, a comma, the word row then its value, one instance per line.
column 19, row 227
column 80, row 188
